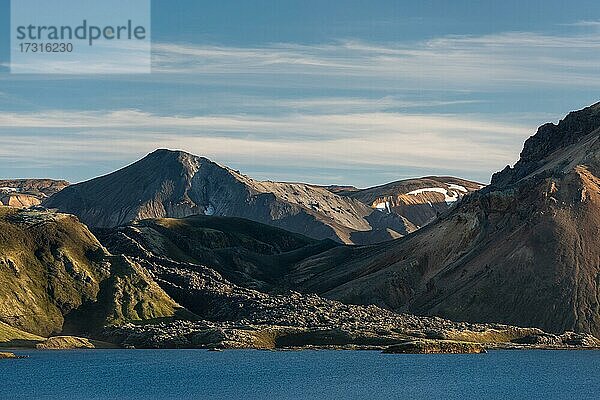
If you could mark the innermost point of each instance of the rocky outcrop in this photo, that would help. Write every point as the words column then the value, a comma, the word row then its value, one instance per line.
column 546, row 340
column 4, row 355
column 424, row 346
column 548, row 139
column 52, row 269
column 71, row 342
column 19, row 200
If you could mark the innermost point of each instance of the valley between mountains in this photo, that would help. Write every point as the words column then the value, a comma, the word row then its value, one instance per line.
column 176, row 250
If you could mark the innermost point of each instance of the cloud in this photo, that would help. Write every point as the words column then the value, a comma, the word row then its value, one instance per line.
column 585, row 23
column 512, row 59
column 342, row 105
column 348, row 104
column 354, row 141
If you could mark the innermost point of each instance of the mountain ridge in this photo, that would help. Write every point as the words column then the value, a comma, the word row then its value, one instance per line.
column 177, row 184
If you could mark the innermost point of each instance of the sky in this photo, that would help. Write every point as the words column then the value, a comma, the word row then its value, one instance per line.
column 327, row 92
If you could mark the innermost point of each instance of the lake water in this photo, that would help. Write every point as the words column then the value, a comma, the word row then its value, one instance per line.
column 251, row 374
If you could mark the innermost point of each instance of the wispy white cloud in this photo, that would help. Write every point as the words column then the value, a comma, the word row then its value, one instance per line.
column 456, row 62
column 356, row 104
column 357, row 140
column 585, row 23
column 354, row 131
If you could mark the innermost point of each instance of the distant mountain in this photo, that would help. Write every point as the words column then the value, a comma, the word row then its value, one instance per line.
column 523, row 251
column 28, row 192
column 419, row 200
column 177, row 184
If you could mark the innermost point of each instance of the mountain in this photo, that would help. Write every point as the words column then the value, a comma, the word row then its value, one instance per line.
column 230, row 272
column 55, row 276
column 24, row 193
column 419, row 200
column 177, row 184
column 214, row 265
column 522, row 251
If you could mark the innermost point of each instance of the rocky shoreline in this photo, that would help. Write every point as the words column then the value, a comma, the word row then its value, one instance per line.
column 211, row 335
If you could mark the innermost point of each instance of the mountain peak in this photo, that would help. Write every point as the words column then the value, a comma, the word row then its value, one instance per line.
column 548, row 139
column 164, row 151
column 179, row 156
column 169, row 154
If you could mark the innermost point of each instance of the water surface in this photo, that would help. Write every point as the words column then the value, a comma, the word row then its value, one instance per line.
column 253, row 374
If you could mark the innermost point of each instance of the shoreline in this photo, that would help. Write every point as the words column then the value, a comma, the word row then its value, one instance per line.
column 487, row 347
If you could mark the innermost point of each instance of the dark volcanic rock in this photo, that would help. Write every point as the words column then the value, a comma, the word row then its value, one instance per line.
column 246, row 253
column 549, row 138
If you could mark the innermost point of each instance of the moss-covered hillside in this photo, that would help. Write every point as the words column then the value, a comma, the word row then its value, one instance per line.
column 51, row 266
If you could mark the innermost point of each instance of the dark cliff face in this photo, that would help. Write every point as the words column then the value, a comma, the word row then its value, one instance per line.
column 549, row 138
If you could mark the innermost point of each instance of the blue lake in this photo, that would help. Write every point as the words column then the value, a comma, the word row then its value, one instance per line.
column 250, row 374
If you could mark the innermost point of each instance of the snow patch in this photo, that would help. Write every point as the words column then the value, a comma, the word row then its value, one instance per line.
column 383, row 206
column 210, row 210
column 7, row 189
column 449, row 197
column 457, row 187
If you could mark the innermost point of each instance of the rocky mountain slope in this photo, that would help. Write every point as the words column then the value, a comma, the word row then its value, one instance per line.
column 236, row 316
column 522, row 251
column 419, row 200
column 246, row 253
column 58, row 279
column 52, row 268
column 24, row 193
column 177, row 184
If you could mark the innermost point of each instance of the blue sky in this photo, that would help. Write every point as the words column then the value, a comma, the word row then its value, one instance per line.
column 344, row 92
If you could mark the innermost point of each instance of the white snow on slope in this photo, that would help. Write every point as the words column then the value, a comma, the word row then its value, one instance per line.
column 457, row 187
column 449, row 197
column 383, row 206
column 210, row 210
